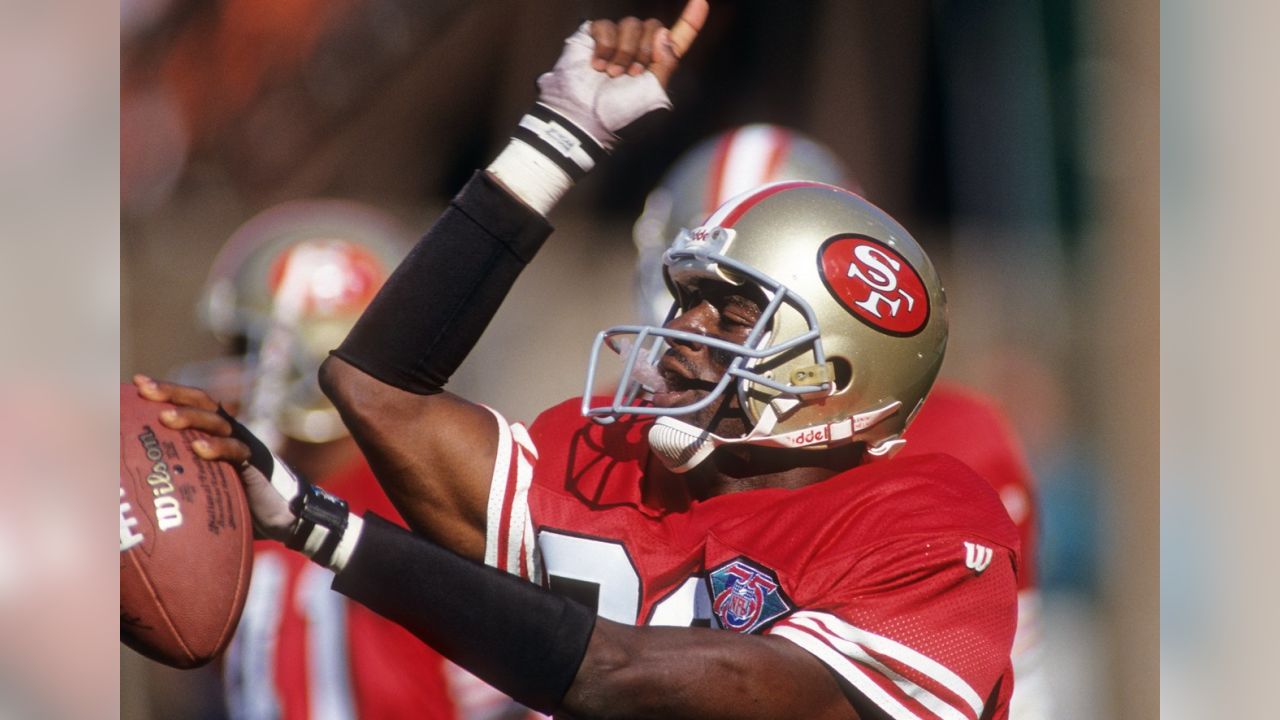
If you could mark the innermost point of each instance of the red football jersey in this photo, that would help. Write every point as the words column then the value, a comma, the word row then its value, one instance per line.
column 304, row 651
column 960, row 422
column 900, row 575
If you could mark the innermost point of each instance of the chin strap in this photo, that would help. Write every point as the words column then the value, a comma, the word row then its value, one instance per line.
column 682, row 447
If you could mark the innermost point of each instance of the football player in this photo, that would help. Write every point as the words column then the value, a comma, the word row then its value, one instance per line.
column 956, row 420
column 285, row 289
column 727, row 535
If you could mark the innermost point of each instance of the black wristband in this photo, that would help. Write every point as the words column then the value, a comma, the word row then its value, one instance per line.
column 434, row 307
column 560, row 140
column 521, row 639
column 314, row 506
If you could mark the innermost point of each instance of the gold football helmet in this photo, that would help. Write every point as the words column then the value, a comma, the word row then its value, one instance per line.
column 708, row 175
column 846, row 349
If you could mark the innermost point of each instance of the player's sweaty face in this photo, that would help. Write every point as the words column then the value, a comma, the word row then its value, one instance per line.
column 707, row 307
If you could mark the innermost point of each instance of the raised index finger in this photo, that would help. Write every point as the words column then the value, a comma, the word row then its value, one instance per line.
column 686, row 29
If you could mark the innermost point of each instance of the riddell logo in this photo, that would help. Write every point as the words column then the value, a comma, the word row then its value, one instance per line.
column 874, row 283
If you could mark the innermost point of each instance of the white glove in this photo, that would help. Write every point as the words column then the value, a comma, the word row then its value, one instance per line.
column 269, row 485
column 598, row 104
column 269, row 500
column 274, row 493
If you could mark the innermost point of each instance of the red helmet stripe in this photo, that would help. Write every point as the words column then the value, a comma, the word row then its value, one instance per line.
column 746, row 202
column 781, row 149
column 715, row 179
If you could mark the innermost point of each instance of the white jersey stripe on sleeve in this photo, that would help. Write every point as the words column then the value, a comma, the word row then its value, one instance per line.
column 849, row 671
column 837, row 629
column 854, row 655
column 532, row 557
column 530, row 563
column 495, row 523
column 521, row 435
column 519, row 510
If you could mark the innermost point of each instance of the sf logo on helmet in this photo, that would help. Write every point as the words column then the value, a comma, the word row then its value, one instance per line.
column 874, row 283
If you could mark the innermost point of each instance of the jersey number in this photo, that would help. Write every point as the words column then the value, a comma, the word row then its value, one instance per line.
column 600, row 574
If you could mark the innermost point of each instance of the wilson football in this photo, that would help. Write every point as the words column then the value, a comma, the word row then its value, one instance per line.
column 186, row 541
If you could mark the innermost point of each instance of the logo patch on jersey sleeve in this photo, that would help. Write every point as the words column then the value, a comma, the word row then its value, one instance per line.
column 874, row 283
column 977, row 557
column 744, row 597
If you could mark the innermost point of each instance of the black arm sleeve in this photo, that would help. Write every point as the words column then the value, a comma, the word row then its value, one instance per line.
column 438, row 302
column 521, row 639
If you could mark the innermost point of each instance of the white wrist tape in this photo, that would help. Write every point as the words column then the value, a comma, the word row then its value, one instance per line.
column 533, row 177
column 342, row 553
column 347, row 544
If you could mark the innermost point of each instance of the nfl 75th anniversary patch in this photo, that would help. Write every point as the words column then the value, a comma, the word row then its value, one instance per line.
column 746, row 597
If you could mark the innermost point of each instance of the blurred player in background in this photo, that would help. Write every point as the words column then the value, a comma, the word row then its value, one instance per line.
column 287, row 286
column 956, row 420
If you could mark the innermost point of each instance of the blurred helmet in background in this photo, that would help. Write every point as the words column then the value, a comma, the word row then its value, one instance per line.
column 283, row 292
column 709, row 174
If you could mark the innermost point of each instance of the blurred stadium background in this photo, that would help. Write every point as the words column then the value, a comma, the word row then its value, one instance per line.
column 1017, row 139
